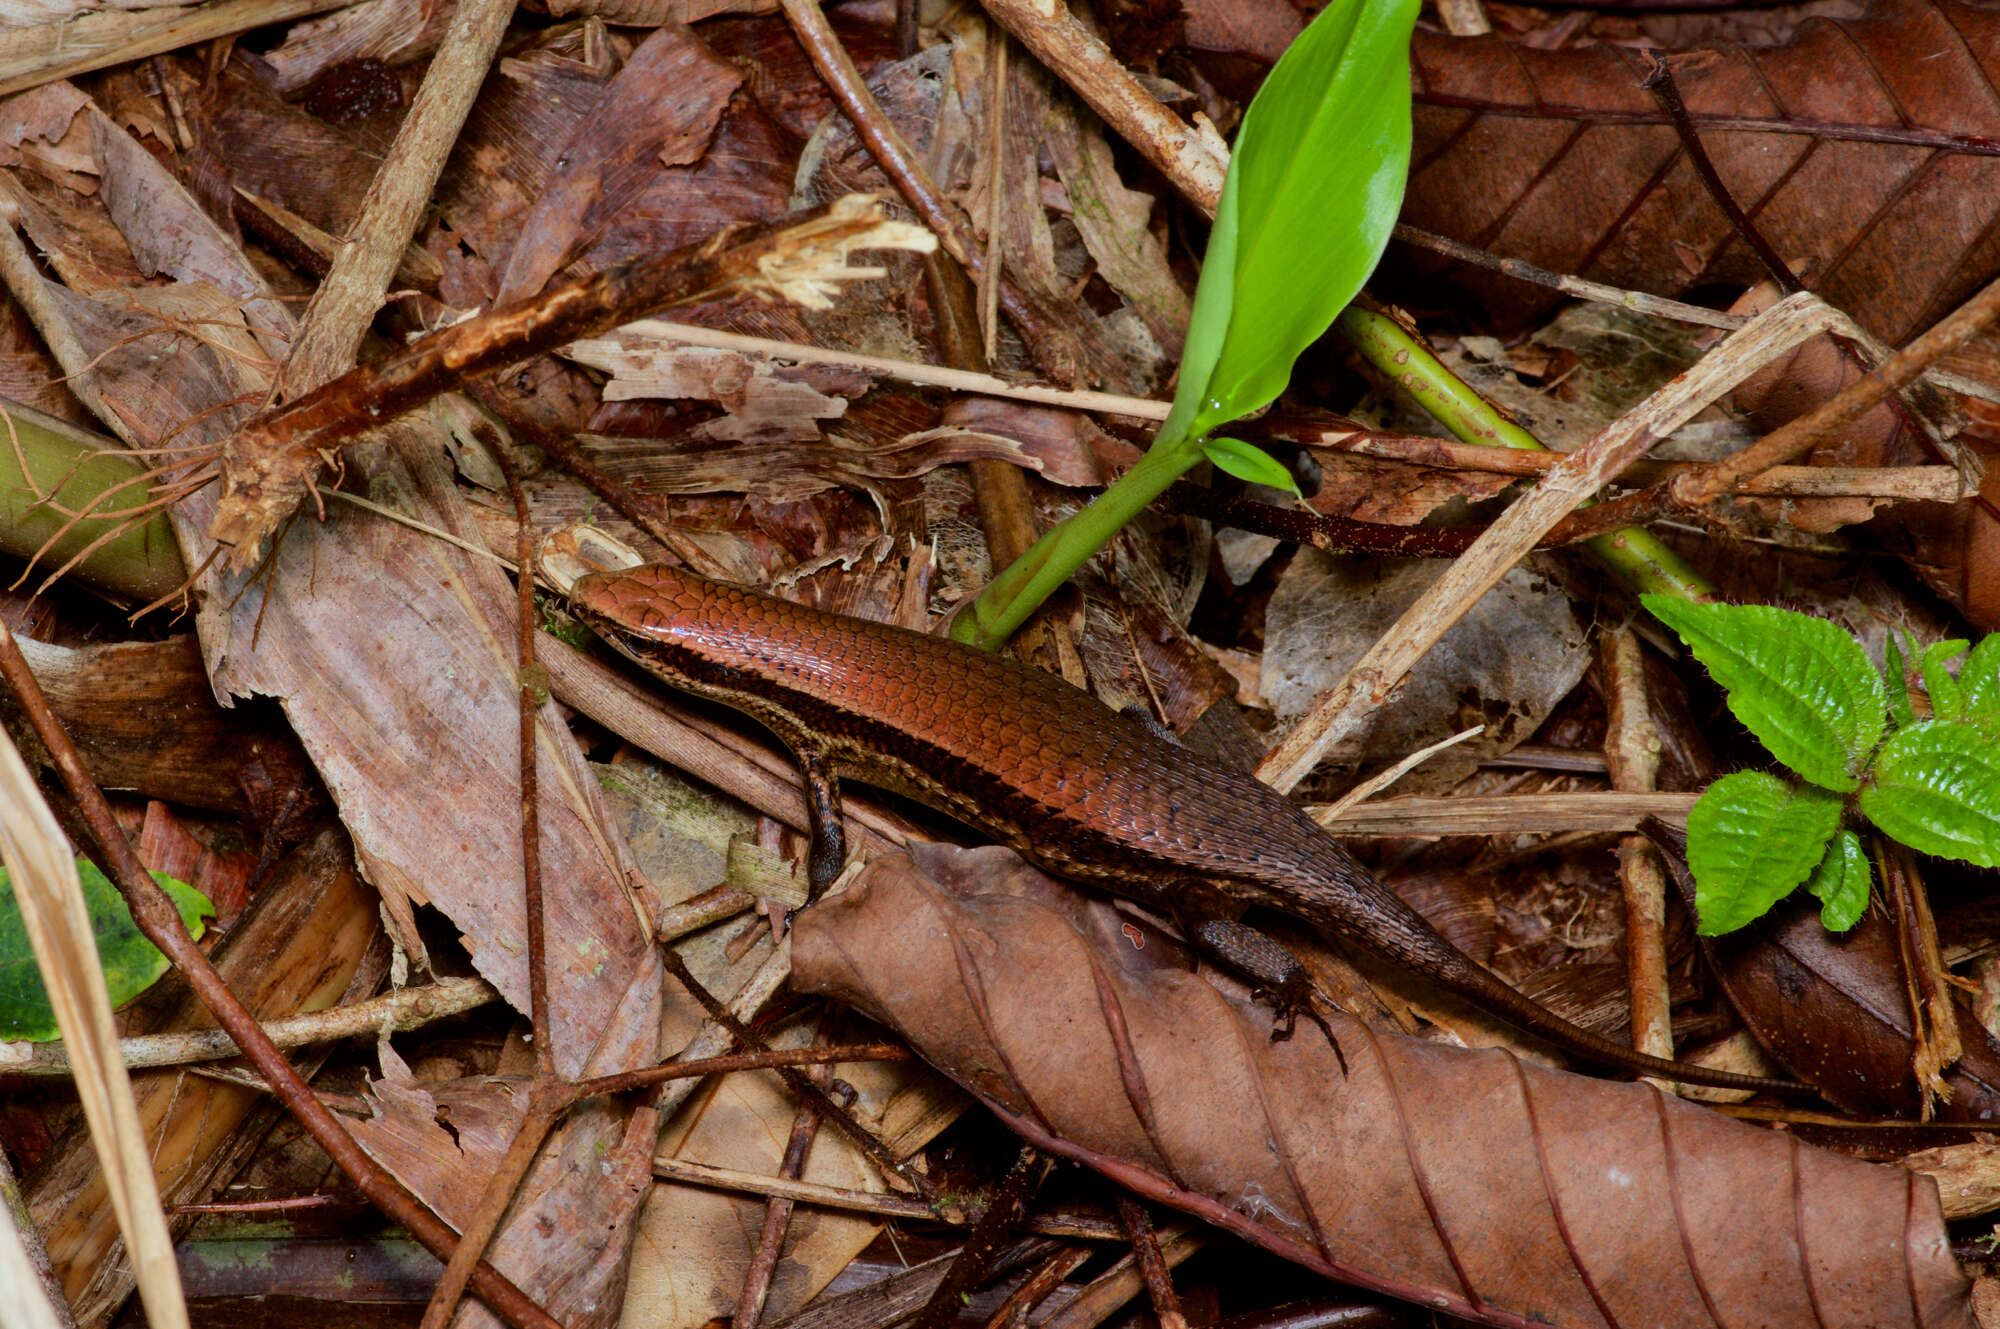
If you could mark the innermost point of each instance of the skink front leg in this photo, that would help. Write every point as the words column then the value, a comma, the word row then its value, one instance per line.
column 826, row 852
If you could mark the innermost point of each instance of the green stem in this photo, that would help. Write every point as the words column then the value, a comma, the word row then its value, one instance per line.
column 1032, row 578
column 1636, row 555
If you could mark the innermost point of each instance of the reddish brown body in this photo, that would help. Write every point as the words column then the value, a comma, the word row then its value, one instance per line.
column 1076, row 787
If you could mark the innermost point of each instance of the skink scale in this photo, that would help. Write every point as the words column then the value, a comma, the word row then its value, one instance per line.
column 1075, row 787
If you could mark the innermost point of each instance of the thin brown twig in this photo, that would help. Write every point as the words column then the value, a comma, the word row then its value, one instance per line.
column 1036, row 1287
column 778, row 1208
column 545, row 1109
column 1659, row 81
column 547, row 1101
column 982, row 1243
column 1054, row 350
column 870, row 1144
column 157, row 917
column 1894, row 374
column 1639, row 302
column 270, row 464
column 1152, row 1265
column 760, row 1059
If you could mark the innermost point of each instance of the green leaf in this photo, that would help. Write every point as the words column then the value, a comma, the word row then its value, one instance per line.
column 1249, row 463
column 1752, row 839
column 1947, row 697
column 1841, row 883
column 1936, row 787
column 1896, row 676
column 1980, row 677
column 1805, row 688
column 1312, row 193
column 131, row 964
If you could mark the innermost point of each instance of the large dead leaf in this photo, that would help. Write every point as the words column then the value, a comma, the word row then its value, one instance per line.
column 1863, row 149
column 1467, row 1181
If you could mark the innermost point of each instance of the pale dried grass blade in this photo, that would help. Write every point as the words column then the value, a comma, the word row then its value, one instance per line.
column 43, row 871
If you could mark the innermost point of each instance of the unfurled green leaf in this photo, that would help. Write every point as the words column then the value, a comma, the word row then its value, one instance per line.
column 131, row 964
column 1841, row 883
column 1947, row 696
column 1935, row 786
column 1311, row 196
column 1248, row 463
column 1897, row 678
column 1752, row 839
column 1805, row 688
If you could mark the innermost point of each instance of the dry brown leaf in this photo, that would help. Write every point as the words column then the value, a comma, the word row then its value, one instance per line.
column 659, row 110
column 1466, row 1181
column 1863, row 150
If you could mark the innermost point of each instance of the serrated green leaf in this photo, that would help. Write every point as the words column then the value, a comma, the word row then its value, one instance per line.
column 1805, row 688
column 1752, row 839
column 1947, row 697
column 1841, row 883
column 1896, row 677
column 1980, row 677
column 1312, row 193
column 1249, row 463
column 131, row 963
column 1935, row 786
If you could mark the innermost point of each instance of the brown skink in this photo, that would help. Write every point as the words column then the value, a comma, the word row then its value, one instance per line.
column 1043, row 767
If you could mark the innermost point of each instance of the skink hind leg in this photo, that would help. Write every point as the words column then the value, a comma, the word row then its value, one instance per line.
column 1278, row 976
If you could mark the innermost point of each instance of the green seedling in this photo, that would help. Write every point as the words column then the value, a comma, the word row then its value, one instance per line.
column 1855, row 748
column 1311, row 197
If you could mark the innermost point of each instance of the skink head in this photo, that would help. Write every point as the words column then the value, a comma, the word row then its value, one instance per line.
column 650, row 600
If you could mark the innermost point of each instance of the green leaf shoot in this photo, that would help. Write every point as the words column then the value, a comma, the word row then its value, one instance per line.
column 1896, row 676
column 1947, row 696
column 1249, row 463
column 1306, row 210
column 1980, row 677
column 1935, row 786
column 1752, row 840
column 1840, row 883
column 131, row 963
column 1803, row 687
column 1311, row 197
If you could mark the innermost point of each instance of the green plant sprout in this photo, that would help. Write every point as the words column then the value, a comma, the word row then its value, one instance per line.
column 1307, row 207
column 1807, row 691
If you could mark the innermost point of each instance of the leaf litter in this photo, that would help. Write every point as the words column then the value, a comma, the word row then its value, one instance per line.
column 596, row 144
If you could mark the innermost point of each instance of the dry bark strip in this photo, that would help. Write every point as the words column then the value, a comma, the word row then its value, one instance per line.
column 1468, row 1182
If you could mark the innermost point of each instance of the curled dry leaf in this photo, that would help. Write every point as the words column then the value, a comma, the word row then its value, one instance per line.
column 1833, row 1006
column 1466, row 1181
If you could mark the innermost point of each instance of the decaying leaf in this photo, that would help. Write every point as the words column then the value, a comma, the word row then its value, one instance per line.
column 1862, row 149
column 1504, row 665
column 1466, row 1181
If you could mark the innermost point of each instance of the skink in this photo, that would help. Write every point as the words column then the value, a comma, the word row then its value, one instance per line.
column 1075, row 787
